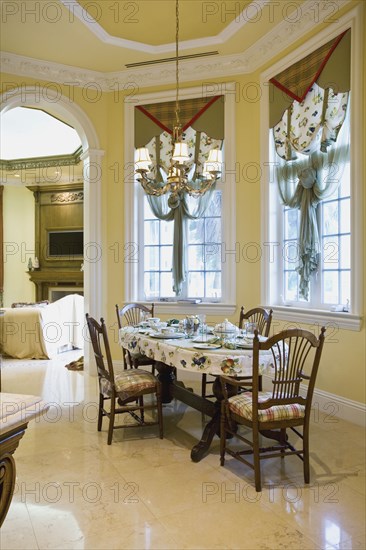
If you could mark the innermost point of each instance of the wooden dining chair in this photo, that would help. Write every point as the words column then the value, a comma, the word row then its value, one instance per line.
column 258, row 315
column 133, row 314
column 263, row 320
column 126, row 388
column 296, row 357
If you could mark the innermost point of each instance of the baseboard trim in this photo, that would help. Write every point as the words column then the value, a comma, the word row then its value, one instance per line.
column 328, row 407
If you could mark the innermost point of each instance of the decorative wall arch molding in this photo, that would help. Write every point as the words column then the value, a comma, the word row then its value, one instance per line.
column 61, row 106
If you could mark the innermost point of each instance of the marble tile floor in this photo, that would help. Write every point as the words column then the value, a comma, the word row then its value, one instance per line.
column 74, row 491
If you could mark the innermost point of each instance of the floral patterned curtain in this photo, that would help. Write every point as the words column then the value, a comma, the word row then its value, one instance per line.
column 312, row 124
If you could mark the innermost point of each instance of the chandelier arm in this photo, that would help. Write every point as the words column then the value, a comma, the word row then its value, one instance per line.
column 149, row 186
column 204, row 187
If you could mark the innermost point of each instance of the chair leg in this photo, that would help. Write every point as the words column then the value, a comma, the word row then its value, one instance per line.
column 222, row 437
column 111, row 420
column 100, row 412
column 283, row 442
column 160, row 410
column 203, row 385
column 306, row 454
column 257, row 464
column 142, row 412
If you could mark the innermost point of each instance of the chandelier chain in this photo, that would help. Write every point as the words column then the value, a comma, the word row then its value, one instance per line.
column 177, row 62
column 181, row 177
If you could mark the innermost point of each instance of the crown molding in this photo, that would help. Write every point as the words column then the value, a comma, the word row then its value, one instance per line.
column 260, row 53
column 228, row 32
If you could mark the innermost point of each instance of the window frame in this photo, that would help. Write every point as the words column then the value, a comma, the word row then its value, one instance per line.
column 271, row 225
column 133, row 207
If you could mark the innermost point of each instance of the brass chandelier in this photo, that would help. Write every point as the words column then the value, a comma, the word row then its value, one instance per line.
column 180, row 178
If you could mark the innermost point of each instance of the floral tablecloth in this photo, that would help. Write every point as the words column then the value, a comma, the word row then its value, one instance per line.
column 181, row 354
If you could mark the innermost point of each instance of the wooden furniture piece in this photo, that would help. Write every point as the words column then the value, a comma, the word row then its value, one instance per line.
column 56, row 282
column 133, row 314
column 258, row 315
column 16, row 412
column 284, row 407
column 127, row 387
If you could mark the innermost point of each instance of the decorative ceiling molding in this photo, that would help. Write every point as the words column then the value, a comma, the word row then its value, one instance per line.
column 130, row 81
column 42, row 162
column 228, row 32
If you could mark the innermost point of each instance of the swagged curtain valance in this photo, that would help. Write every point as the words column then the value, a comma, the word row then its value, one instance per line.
column 308, row 145
column 203, row 129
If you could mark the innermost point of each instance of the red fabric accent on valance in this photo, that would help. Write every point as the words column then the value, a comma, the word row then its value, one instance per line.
column 161, row 113
column 200, row 112
column 302, row 75
column 154, row 119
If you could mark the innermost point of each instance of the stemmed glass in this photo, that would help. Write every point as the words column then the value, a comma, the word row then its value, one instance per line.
column 250, row 328
column 202, row 326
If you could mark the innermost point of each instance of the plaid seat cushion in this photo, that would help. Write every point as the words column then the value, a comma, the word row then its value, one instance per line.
column 242, row 406
column 129, row 383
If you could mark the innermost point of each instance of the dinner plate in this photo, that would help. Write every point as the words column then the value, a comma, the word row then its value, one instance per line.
column 167, row 335
column 203, row 340
column 251, row 337
column 207, row 346
column 242, row 345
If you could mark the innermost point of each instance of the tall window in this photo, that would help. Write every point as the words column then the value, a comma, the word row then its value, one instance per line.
column 203, row 254
column 314, row 200
column 210, row 277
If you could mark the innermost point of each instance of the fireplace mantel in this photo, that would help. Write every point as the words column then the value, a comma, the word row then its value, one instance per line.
column 46, row 278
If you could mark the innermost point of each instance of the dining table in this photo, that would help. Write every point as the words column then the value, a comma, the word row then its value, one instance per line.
column 174, row 352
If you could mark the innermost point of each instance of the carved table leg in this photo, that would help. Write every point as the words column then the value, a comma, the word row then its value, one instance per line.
column 7, row 484
column 212, row 428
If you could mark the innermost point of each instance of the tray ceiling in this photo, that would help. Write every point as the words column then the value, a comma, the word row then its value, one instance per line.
column 106, row 35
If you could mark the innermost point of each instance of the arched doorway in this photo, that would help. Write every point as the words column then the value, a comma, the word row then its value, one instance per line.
column 60, row 106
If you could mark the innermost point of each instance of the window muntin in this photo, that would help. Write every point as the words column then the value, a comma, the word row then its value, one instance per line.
column 336, row 244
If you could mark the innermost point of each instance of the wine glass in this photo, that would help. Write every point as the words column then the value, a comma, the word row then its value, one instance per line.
column 202, row 326
column 251, row 327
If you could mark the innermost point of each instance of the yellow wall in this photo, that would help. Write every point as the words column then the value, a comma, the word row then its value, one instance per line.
column 18, row 244
column 342, row 369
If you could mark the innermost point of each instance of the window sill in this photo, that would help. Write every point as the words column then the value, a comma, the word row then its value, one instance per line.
column 209, row 308
column 341, row 320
